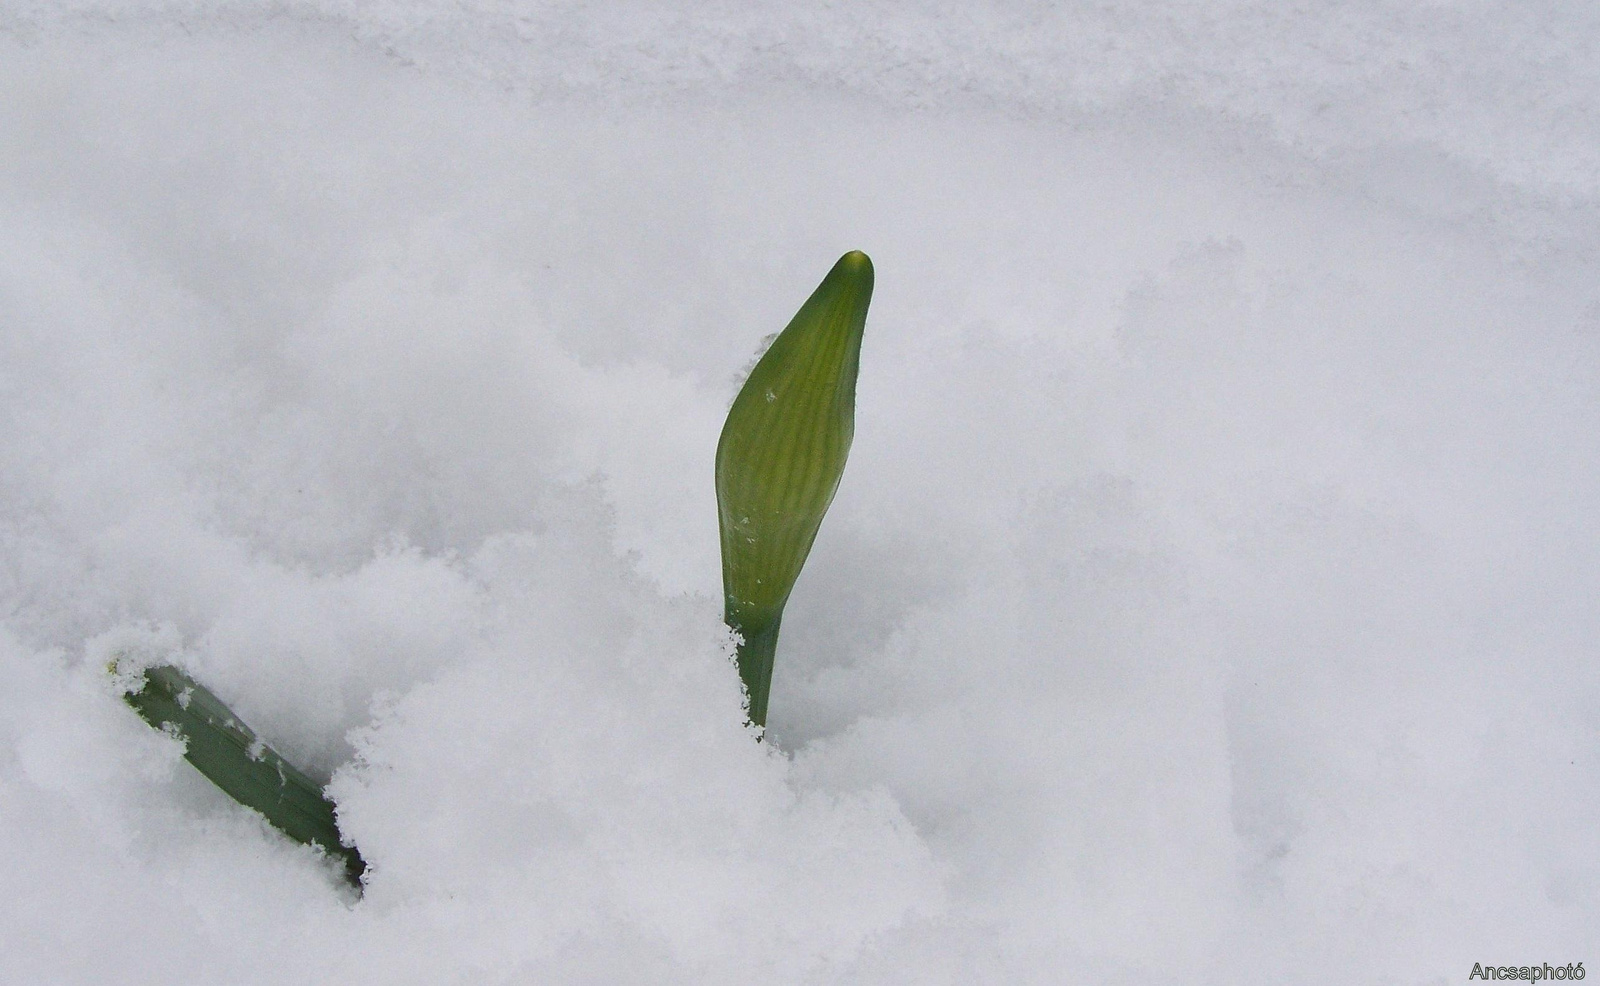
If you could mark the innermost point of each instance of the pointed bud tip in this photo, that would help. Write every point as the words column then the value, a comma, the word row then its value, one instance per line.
column 855, row 262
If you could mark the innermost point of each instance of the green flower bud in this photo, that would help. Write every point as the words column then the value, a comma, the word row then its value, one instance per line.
column 780, row 458
column 233, row 758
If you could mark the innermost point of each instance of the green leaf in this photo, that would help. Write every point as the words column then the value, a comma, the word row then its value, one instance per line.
column 232, row 757
column 780, row 458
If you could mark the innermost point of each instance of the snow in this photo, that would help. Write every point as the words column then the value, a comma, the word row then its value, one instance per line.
column 1209, row 597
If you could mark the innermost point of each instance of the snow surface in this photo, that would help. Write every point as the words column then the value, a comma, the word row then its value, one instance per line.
column 1210, row 597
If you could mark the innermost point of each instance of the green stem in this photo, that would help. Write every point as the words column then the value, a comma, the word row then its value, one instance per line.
column 755, row 664
column 233, row 758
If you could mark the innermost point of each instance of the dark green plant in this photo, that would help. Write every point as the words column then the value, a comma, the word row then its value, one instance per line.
column 233, row 758
column 780, row 458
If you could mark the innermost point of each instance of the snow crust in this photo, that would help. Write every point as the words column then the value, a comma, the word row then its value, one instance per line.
column 1210, row 597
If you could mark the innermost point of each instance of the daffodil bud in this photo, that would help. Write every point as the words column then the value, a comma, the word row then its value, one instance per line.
column 780, row 458
column 232, row 757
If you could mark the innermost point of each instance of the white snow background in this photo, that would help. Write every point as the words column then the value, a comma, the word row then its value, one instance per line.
column 1210, row 597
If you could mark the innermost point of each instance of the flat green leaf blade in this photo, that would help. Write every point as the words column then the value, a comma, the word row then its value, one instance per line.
column 781, row 456
column 232, row 757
